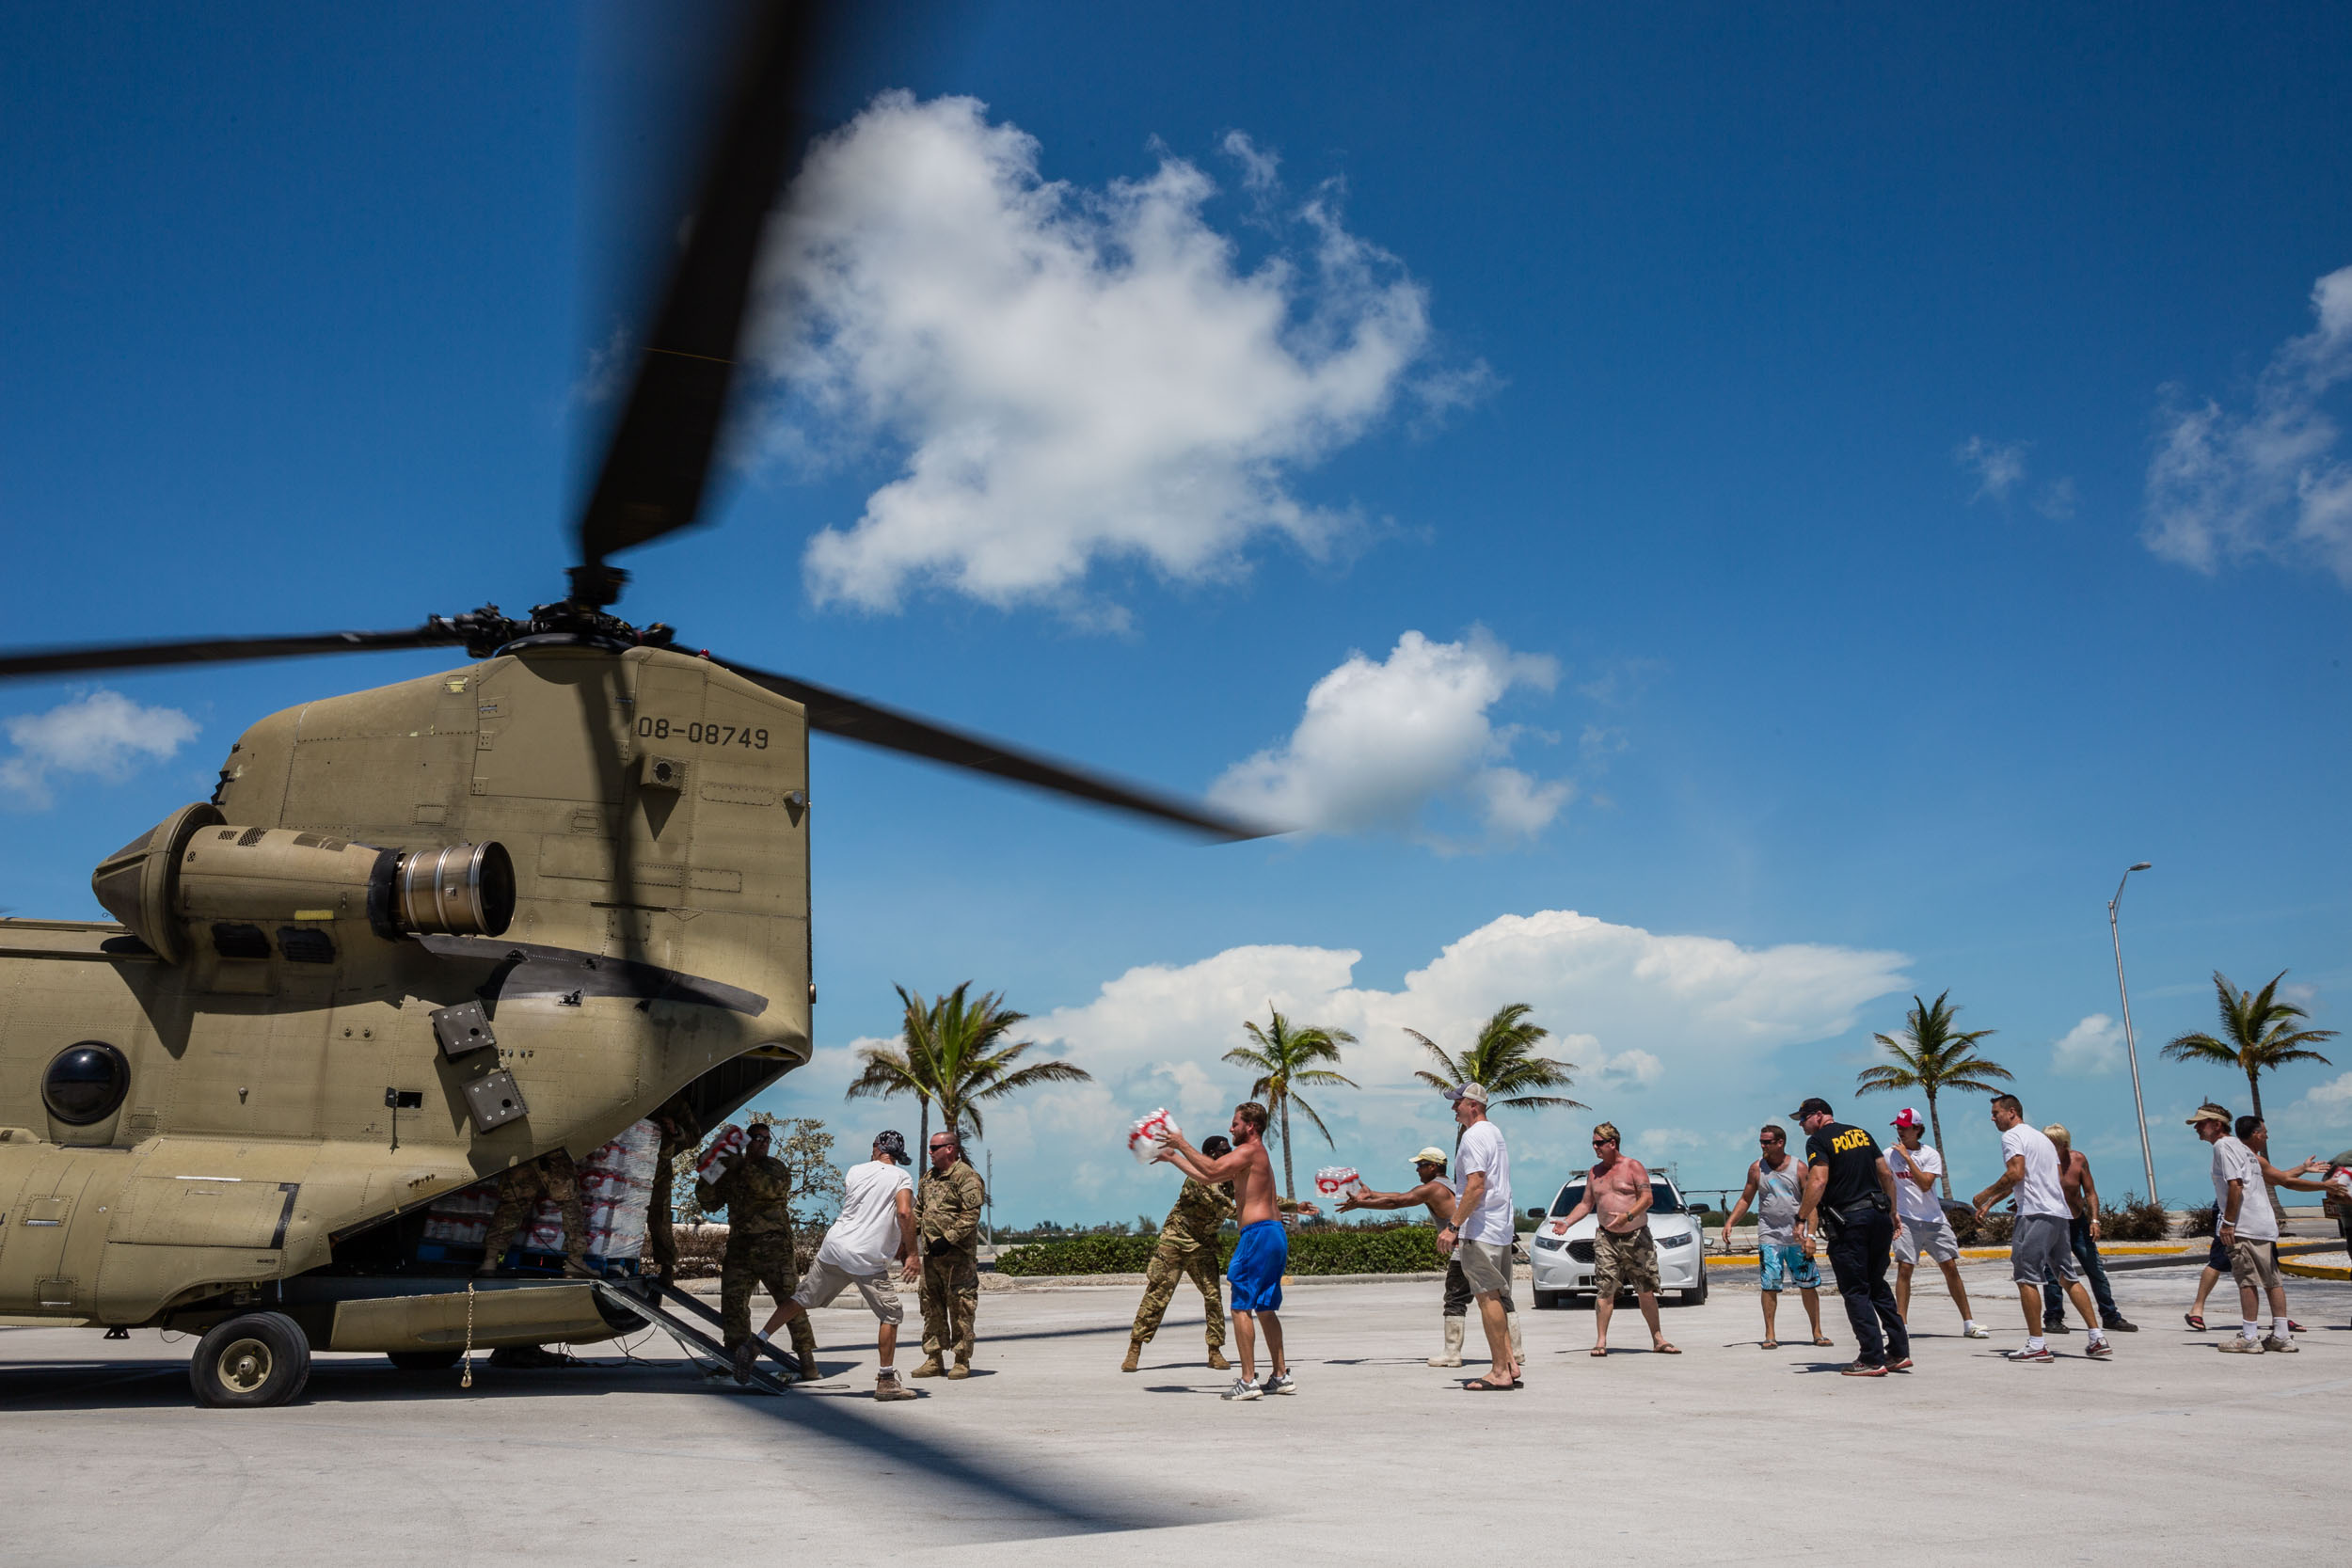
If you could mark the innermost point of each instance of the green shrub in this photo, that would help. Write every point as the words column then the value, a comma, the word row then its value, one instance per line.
column 1079, row 1255
column 1325, row 1250
column 2135, row 1219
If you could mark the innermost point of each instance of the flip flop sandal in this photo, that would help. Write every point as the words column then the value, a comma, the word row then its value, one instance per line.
column 1482, row 1386
column 1768, row 1344
column 1667, row 1349
column 2196, row 1323
column 1599, row 1350
column 1826, row 1340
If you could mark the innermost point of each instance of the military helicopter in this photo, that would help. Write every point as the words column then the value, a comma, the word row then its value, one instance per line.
column 421, row 933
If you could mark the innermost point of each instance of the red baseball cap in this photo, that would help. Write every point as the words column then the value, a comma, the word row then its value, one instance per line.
column 1909, row 1117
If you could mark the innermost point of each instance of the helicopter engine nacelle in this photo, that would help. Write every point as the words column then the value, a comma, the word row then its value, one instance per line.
column 195, row 873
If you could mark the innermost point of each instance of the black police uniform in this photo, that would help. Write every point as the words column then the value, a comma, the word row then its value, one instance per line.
column 1860, row 1233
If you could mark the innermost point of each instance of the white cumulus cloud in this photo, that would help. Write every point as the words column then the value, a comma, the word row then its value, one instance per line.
column 1709, row 1016
column 1381, row 741
column 101, row 735
column 2334, row 1097
column 2269, row 478
column 2092, row 1048
column 1999, row 466
column 1071, row 375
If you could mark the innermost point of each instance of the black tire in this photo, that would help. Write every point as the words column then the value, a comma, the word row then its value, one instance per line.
column 250, row 1362
column 1698, row 1297
column 423, row 1360
column 1549, row 1301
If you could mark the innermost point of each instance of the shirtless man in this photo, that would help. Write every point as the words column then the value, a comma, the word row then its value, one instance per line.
column 1437, row 1194
column 2082, row 1198
column 1262, row 1252
column 1618, row 1189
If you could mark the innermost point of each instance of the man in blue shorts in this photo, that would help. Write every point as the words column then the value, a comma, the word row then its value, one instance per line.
column 1255, row 1274
column 1776, row 1187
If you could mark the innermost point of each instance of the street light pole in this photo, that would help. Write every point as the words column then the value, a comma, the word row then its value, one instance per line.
column 2131, row 1049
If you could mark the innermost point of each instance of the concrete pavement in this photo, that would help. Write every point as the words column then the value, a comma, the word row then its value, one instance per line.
column 2170, row 1453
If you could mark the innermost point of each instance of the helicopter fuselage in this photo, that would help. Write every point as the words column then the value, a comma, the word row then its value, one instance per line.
column 254, row 1089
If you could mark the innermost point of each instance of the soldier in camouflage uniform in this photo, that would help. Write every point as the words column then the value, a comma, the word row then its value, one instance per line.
column 680, row 1131
column 1187, row 1250
column 552, row 1179
column 756, row 1190
column 948, row 1217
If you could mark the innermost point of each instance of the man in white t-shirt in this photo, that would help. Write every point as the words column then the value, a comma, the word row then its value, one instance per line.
column 1481, row 1230
column 2042, row 1246
column 1916, row 1164
column 875, row 1230
column 2246, row 1228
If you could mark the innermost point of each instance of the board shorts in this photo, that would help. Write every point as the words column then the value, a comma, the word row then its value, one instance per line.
column 1933, row 1237
column 2041, row 1251
column 825, row 1281
column 1624, row 1262
column 2254, row 1264
column 1784, row 1264
column 1255, row 1273
column 2217, row 1257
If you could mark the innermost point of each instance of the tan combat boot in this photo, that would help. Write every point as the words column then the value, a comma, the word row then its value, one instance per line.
column 804, row 1347
column 1217, row 1362
column 961, row 1369
column 1453, row 1356
column 887, row 1387
column 1135, row 1357
column 931, row 1367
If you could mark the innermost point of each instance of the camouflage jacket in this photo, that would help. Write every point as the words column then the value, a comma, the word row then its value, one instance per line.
column 1199, row 1209
column 757, row 1193
column 948, row 1211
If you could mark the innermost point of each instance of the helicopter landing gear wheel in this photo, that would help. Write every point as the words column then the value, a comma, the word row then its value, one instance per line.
column 258, row 1359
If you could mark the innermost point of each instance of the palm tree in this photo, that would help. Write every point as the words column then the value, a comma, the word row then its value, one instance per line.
column 2257, row 1035
column 951, row 1054
column 1284, row 1057
column 1932, row 1056
column 1503, row 1058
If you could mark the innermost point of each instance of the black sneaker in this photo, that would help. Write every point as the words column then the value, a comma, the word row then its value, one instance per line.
column 2119, row 1325
column 1865, row 1368
column 2059, row 1326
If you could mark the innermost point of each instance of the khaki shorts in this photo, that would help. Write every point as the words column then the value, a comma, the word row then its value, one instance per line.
column 1485, row 1267
column 825, row 1281
column 2254, row 1264
column 1624, row 1262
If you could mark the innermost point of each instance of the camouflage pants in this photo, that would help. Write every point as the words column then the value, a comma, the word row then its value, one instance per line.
column 520, row 1192
column 951, row 1300
column 1171, row 1266
column 660, row 1237
column 751, row 1262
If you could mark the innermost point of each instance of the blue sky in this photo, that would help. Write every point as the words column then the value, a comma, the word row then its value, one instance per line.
column 1813, row 495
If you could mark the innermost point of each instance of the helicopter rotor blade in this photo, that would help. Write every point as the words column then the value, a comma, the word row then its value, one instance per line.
column 216, row 650
column 656, row 461
column 855, row 719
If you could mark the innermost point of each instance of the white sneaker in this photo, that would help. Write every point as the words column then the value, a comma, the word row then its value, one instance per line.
column 1243, row 1389
column 1976, row 1330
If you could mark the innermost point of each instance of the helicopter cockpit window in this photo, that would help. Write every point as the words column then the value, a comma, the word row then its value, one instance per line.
column 86, row 1082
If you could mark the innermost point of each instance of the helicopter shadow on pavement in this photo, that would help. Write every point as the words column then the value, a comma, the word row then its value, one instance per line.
column 1005, row 1501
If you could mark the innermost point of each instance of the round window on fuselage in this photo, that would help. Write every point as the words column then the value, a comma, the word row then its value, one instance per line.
column 86, row 1084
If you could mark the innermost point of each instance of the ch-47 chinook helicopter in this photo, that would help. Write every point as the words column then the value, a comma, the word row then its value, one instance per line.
column 421, row 933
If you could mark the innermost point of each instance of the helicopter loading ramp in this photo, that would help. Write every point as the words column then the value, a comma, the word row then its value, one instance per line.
column 696, row 1329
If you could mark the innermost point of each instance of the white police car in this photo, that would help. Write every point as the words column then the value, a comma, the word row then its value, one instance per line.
column 1562, row 1265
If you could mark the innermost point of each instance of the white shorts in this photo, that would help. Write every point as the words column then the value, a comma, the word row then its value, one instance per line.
column 825, row 1281
column 1935, row 1237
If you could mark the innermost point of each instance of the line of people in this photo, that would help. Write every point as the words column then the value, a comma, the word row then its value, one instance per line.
column 1864, row 1206
column 882, row 1231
